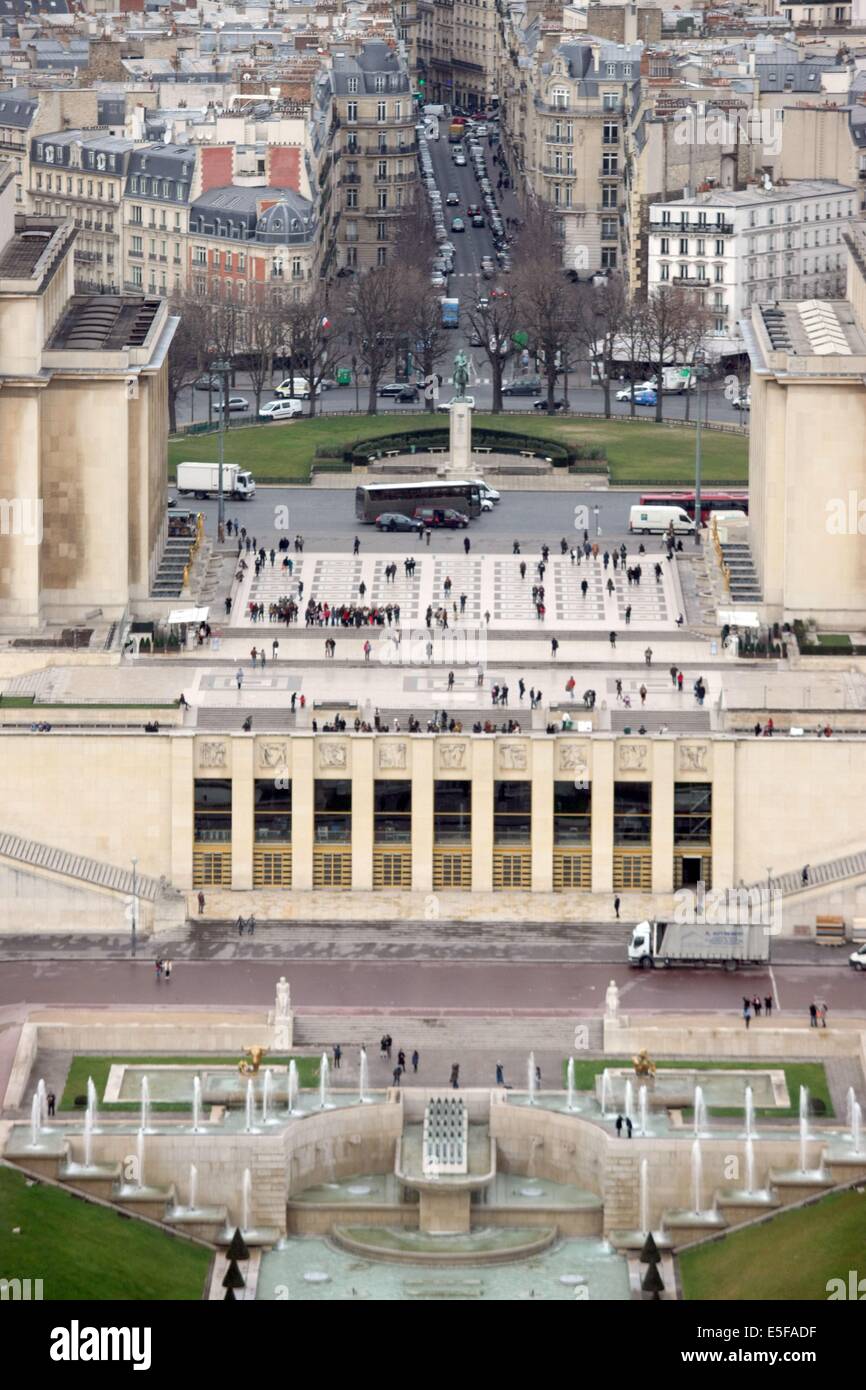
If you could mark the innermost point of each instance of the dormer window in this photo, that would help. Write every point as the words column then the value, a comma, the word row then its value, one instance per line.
column 352, row 84
column 559, row 97
column 380, row 84
column 49, row 154
column 100, row 161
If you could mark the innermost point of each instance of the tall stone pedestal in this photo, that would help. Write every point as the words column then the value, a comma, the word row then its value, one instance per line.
column 460, row 439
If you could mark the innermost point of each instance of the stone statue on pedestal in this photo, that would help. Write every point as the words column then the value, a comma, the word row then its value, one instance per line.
column 611, row 1000
column 284, row 1000
column 461, row 375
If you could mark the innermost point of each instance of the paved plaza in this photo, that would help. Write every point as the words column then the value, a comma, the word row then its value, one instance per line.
column 483, row 583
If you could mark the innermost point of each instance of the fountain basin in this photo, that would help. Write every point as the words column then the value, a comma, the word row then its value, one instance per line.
column 488, row 1245
column 675, row 1087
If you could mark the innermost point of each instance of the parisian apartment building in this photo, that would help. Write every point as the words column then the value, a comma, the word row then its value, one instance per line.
column 754, row 246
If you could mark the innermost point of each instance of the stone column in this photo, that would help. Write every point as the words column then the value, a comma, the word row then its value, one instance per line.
column 363, row 749
column 243, row 800
column 482, row 815
column 603, row 754
column 663, row 816
column 543, row 753
column 303, row 749
column 460, row 438
column 724, row 764
column 422, row 751
column 182, row 808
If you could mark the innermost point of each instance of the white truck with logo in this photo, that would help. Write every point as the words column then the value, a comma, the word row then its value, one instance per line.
column 203, row 480
column 661, row 944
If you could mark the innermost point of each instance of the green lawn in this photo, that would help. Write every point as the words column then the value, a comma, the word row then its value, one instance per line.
column 641, row 453
column 99, row 1067
column 792, row 1257
column 797, row 1074
column 80, row 1251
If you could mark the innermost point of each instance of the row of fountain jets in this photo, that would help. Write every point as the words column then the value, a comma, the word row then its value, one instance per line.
column 271, row 1113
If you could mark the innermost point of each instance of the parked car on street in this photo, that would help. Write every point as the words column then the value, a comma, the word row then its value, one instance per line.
column 237, row 404
column 457, row 224
column 297, row 388
column 542, row 405
column 397, row 521
column 644, row 397
column 441, row 516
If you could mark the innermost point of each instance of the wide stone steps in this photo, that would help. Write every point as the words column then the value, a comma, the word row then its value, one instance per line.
column 77, row 866
column 468, row 1031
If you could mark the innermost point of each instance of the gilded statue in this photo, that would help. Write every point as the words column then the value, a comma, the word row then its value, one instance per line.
column 255, row 1055
column 643, row 1064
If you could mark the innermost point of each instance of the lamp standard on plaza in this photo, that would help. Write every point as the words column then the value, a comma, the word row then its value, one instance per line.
column 222, row 369
column 701, row 371
column 134, row 919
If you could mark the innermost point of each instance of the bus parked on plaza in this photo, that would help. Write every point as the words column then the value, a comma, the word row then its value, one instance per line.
column 371, row 499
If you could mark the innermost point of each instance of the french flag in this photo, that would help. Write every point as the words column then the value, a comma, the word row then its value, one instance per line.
column 326, row 322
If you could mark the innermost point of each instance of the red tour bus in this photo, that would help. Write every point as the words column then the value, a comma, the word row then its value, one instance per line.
column 713, row 500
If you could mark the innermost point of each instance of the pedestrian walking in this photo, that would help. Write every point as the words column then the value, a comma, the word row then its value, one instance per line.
column 628, row 1126
column 167, row 969
column 356, row 546
column 554, row 646
column 680, row 682
column 616, row 908
column 673, row 675
column 240, row 925
column 768, row 1004
column 619, row 1126
column 500, row 1074
column 52, row 1101
column 201, row 901
column 338, row 1056
column 756, row 1006
column 619, row 690
column 822, row 1013
column 415, row 1060
column 613, row 639
column 747, row 1014
column 569, row 685
column 383, row 1050
column 813, row 1015
column 804, row 876
column 450, row 680
column 398, row 1072
column 642, row 693
column 239, row 677
column 367, row 649
column 389, row 1043
column 648, row 656
column 628, row 616
column 455, row 1076
column 251, row 925
column 158, row 966
column 467, row 544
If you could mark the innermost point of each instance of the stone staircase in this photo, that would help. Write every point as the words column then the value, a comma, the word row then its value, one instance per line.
column 847, row 866
column 168, row 581
column 75, row 866
column 745, row 584
column 430, row 1032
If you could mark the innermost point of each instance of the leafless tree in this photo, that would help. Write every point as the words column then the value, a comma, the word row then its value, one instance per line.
column 259, row 333
column 667, row 312
column 428, row 339
column 376, row 303
column 696, row 323
column 185, row 358
column 493, row 321
column 312, row 330
column 414, row 237
column 547, row 298
column 601, row 313
column 633, row 342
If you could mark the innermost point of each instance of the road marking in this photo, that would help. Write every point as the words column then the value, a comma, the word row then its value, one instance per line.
column 776, row 996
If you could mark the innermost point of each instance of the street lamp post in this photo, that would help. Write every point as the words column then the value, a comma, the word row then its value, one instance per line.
column 597, row 521
column 700, row 372
column 222, row 369
column 134, row 901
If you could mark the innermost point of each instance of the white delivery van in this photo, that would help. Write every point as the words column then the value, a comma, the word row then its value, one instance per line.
column 645, row 520
column 486, row 490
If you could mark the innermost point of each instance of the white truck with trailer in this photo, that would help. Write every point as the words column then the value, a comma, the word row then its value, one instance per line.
column 203, row 480
column 662, row 944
